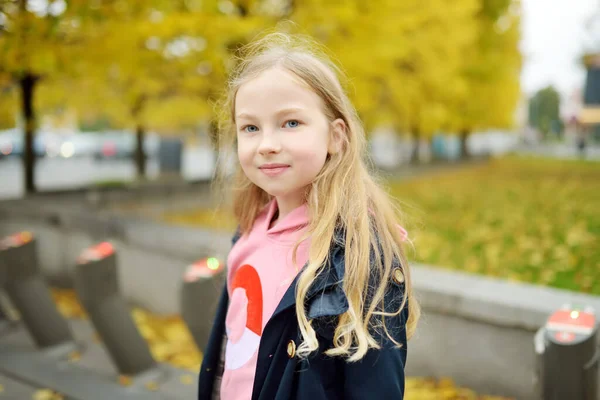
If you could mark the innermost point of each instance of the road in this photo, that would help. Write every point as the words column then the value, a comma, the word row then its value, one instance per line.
column 61, row 173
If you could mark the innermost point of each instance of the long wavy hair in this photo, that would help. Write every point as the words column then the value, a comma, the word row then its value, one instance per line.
column 343, row 195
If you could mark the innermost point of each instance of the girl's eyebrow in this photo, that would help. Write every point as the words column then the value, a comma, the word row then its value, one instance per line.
column 283, row 111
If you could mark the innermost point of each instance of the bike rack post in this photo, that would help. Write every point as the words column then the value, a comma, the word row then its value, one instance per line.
column 202, row 284
column 97, row 286
column 28, row 292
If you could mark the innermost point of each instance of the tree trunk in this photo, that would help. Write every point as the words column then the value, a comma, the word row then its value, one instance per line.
column 140, row 154
column 464, row 151
column 414, row 157
column 27, row 86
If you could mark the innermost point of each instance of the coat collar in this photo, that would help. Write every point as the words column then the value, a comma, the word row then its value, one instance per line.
column 326, row 296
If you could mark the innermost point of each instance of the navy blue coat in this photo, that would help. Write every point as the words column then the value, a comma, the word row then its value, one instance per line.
column 281, row 375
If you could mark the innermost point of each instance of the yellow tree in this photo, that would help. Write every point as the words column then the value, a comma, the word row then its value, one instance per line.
column 35, row 43
column 439, row 35
column 41, row 41
column 8, row 104
column 490, row 90
column 164, row 67
column 404, row 58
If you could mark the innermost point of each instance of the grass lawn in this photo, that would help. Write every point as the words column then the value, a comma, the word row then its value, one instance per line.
column 523, row 219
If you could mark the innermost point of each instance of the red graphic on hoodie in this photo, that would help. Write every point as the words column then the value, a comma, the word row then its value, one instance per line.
column 244, row 317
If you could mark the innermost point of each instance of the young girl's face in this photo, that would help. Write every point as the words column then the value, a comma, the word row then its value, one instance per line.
column 283, row 134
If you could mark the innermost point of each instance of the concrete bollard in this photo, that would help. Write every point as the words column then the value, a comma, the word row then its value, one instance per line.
column 202, row 284
column 96, row 285
column 29, row 293
column 4, row 321
column 567, row 355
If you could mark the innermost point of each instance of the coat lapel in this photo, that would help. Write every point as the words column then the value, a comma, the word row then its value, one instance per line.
column 326, row 295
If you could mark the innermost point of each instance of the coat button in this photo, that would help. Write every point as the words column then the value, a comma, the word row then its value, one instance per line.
column 398, row 276
column 291, row 349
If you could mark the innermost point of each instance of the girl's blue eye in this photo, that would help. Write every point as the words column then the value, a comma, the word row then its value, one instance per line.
column 292, row 124
column 250, row 128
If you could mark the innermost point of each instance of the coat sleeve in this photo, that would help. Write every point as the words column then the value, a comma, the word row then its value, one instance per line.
column 380, row 373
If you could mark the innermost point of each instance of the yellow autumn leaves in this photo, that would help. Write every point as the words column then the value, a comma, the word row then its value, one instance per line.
column 161, row 64
column 47, row 394
column 40, row 394
column 167, row 336
column 520, row 219
column 442, row 389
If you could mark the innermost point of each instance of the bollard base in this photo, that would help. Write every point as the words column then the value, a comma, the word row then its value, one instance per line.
column 167, row 381
column 16, row 389
column 43, row 371
column 7, row 327
column 84, row 370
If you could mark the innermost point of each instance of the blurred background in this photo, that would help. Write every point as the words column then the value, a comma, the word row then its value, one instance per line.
column 483, row 116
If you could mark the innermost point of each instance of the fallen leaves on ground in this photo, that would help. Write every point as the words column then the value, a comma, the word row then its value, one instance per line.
column 47, row 394
column 168, row 337
column 526, row 220
column 442, row 389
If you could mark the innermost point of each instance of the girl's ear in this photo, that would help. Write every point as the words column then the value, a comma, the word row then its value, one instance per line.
column 337, row 134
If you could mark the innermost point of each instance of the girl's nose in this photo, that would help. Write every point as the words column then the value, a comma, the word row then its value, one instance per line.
column 269, row 142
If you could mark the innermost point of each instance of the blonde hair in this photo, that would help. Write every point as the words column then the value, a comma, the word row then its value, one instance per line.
column 343, row 195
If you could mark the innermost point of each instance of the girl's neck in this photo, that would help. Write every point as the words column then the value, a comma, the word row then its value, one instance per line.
column 284, row 207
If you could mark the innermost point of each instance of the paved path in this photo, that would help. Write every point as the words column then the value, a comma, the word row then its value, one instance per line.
column 12, row 389
column 88, row 372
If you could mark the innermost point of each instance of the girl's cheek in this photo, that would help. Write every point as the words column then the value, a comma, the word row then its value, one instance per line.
column 244, row 149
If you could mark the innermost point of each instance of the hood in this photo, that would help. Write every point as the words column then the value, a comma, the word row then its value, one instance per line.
column 288, row 228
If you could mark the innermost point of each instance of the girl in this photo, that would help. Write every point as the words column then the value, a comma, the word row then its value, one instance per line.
column 318, row 302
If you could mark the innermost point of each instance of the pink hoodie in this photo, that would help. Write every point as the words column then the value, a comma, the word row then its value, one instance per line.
column 260, row 270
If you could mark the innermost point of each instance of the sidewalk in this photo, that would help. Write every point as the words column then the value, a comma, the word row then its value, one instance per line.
column 81, row 371
column 15, row 389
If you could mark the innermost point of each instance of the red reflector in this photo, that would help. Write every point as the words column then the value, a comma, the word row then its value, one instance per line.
column 96, row 253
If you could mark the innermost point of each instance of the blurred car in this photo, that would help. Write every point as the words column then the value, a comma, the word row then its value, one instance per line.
column 83, row 144
column 12, row 143
column 111, row 145
column 117, row 145
column 114, row 145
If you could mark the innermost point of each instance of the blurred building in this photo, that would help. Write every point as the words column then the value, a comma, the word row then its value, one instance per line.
column 589, row 116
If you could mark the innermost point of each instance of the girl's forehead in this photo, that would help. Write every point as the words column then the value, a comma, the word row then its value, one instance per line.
column 271, row 89
column 276, row 74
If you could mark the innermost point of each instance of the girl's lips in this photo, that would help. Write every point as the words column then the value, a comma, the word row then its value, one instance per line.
column 274, row 170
